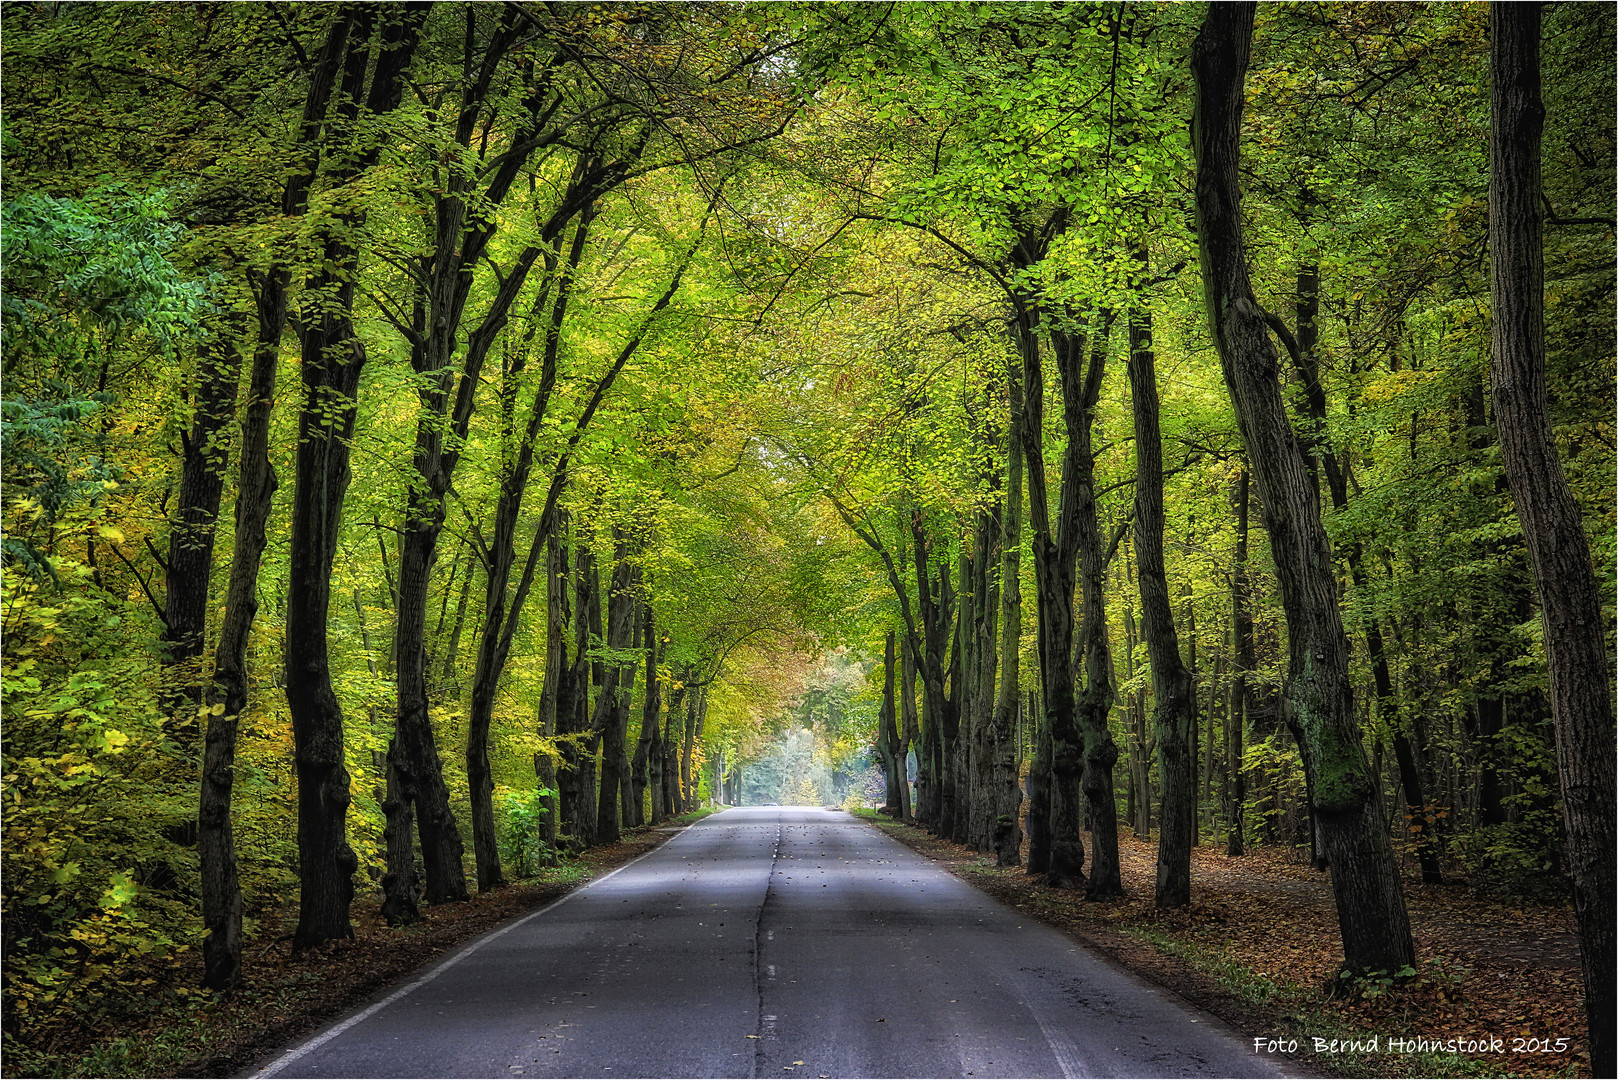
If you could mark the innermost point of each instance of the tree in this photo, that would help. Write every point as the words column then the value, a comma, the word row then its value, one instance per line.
column 1174, row 695
column 333, row 357
column 1365, row 880
column 1564, row 577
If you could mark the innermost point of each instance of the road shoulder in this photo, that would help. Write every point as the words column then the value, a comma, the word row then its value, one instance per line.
column 288, row 998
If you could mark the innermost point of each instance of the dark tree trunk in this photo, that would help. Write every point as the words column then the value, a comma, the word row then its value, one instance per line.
column 256, row 486
column 1058, row 850
column 205, row 452
column 672, row 727
column 1081, row 390
column 936, row 602
column 629, row 810
column 1039, row 790
column 958, row 745
column 573, row 714
column 910, row 722
column 1569, row 597
column 332, row 358
column 1174, row 696
column 696, row 712
column 412, row 752
column 227, row 697
column 611, row 716
column 555, row 699
column 887, row 735
column 1241, row 691
column 651, row 716
column 985, row 624
column 1006, row 796
column 1319, row 698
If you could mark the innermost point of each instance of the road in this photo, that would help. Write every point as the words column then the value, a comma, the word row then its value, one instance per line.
column 778, row 942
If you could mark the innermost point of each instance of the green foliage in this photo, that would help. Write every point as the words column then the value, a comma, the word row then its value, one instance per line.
column 523, row 850
column 82, row 276
column 1276, row 789
column 90, row 910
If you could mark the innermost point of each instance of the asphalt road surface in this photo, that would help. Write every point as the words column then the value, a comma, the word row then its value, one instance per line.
column 776, row 942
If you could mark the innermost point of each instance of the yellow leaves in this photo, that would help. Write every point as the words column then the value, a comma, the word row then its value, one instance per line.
column 112, row 533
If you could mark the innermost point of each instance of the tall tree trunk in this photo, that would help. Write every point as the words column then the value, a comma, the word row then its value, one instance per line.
column 205, row 452
column 1319, row 698
column 1006, row 798
column 555, row 699
column 1569, row 597
column 959, row 744
column 621, row 610
column 256, row 486
column 629, row 809
column 578, row 753
column 671, row 744
column 227, row 696
column 696, row 712
column 986, row 624
column 1174, row 696
column 1241, row 693
column 887, row 735
column 651, row 717
column 1056, row 850
column 412, row 752
column 1093, row 704
column 910, row 735
column 332, row 358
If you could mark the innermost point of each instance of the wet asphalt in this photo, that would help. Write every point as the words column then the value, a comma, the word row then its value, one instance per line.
column 775, row 942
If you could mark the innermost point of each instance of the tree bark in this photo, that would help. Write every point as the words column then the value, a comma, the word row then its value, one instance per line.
column 1057, row 849
column 577, row 780
column 696, row 712
column 651, row 718
column 910, row 721
column 1564, row 574
column 1241, row 694
column 887, row 735
column 986, row 620
column 1174, row 697
column 1006, row 798
column 621, row 605
column 672, row 727
column 1365, row 879
column 255, row 496
column 205, row 453
column 1081, row 390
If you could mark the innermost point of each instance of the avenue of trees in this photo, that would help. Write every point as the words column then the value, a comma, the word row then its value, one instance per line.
column 439, row 438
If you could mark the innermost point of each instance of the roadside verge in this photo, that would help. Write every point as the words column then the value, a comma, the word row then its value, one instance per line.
column 288, row 998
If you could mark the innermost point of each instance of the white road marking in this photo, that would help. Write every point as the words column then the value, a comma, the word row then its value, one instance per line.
column 327, row 1036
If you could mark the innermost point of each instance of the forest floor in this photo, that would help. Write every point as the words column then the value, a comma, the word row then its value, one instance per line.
column 287, row 997
column 1259, row 945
